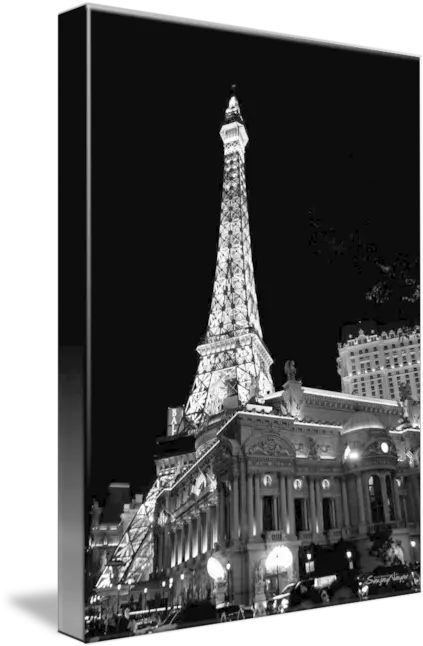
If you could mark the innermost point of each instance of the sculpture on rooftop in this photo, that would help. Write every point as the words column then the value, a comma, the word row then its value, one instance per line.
column 290, row 370
column 410, row 407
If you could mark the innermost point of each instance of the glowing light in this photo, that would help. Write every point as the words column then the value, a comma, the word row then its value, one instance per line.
column 298, row 483
column 145, row 590
column 384, row 447
column 279, row 558
column 163, row 584
column 267, row 480
column 215, row 569
column 349, row 554
column 182, row 576
column 308, row 556
column 354, row 455
column 325, row 483
column 228, row 566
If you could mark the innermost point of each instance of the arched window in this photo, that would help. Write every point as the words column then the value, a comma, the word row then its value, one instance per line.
column 390, row 499
column 376, row 501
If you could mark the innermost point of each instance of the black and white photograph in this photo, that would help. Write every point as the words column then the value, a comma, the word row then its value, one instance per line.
column 250, row 354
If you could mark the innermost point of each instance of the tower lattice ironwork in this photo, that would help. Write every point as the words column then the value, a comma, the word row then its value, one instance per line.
column 233, row 359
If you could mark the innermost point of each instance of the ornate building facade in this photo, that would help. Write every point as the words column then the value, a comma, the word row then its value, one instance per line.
column 267, row 475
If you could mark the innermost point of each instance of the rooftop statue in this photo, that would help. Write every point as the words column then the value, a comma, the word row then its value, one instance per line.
column 290, row 370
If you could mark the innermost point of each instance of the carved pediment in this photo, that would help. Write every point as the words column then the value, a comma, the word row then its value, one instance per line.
column 269, row 445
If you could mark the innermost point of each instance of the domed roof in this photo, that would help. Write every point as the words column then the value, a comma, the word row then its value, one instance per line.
column 360, row 421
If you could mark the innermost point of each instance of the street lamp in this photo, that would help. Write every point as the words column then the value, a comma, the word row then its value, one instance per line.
column 309, row 566
column 348, row 554
column 228, row 568
column 118, row 598
column 413, row 545
column 171, row 591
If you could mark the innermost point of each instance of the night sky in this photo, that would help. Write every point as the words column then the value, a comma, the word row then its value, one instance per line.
column 334, row 134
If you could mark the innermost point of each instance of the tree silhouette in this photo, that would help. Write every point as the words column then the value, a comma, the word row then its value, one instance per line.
column 394, row 278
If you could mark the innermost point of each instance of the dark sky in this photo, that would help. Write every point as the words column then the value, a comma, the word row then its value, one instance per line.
column 333, row 134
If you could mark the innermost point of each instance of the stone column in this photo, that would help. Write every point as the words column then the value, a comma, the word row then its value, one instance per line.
column 361, row 515
column 411, row 505
column 283, row 510
column 319, row 508
column 197, row 549
column 244, row 517
column 345, row 507
column 206, row 540
column 180, row 543
column 221, row 514
column 188, row 541
column 397, row 504
column 416, row 494
column 228, row 511
column 159, row 549
column 339, row 519
column 291, row 506
column 214, row 525
column 172, row 548
column 235, row 509
column 166, row 548
column 312, row 496
column 250, row 505
column 259, row 515
column 275, row 513
column 366, row 496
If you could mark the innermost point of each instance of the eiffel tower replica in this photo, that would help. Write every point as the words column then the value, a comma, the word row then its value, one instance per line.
column 234, row 362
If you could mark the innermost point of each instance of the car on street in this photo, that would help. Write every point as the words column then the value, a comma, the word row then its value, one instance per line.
column 280, row 602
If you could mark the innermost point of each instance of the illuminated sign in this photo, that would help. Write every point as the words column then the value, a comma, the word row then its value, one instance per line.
column 174, row 416
column 382, row 580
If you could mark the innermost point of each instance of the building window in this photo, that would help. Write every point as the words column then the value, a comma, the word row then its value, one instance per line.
column 390, row 499
column 268, row 520
column 301, row 514
column 376, row 501
column 329, row 520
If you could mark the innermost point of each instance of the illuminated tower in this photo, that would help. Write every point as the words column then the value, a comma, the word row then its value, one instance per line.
column 233, row 359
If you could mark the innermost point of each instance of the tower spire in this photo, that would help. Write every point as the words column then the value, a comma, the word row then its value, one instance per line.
column 234, row 359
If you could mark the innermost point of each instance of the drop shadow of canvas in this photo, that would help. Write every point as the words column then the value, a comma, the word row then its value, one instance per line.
column 43, row 606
